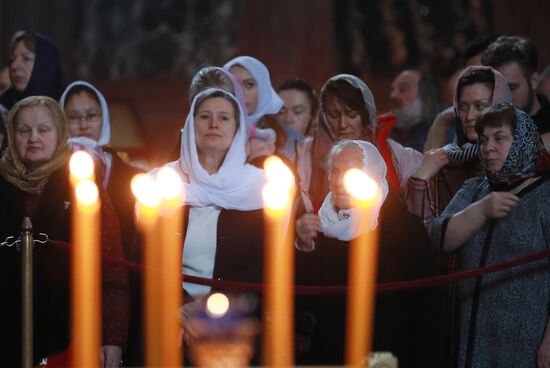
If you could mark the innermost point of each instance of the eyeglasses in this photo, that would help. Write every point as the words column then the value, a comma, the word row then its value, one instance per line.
column 91, row 117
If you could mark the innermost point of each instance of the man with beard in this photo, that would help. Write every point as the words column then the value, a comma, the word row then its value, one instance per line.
column 416, row 99
column 515, row 58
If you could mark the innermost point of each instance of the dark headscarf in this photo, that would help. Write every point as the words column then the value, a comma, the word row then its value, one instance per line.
column 46, row 74
column 522, row 159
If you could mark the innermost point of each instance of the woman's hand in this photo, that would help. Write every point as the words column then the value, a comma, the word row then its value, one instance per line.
column 307, row 228
column 188, row 329
column 110, row 356
column 543, row 354
column 498, row 204
column 432, row 162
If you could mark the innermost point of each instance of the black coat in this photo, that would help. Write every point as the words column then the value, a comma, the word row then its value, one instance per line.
column 407, row 323
column 51, row 271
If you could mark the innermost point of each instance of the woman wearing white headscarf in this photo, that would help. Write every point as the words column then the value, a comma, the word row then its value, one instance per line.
column 222, row 194
column 347, row 111
column 260, row 97
column 89, row 128
column 406, row 323
column 261, row 101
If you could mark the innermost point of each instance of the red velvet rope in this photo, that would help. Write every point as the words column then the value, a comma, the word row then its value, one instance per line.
column 337, row 289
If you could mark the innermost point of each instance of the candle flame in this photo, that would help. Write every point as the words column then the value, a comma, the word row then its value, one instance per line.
column 275, row 197
column 145, row 189
column 360, row 185
column 278, row 173
column 86, row 192
column 169, row 183
column 217, row 305
column 280, row 184
column 81, row 165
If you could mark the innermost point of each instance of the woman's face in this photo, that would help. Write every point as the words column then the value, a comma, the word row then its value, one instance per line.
column 215, row 126
column 343, row 160
column 346, row 123
column 84, row 116
column 297, row 109
column 249, row 85
column 35, row 136
column 21, row 64
column 495, row 144
column 473, row 101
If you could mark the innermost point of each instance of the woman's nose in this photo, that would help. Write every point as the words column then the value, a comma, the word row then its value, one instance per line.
column 33, row 136
column 213, row 123
column 343, row 122
column 472, row 114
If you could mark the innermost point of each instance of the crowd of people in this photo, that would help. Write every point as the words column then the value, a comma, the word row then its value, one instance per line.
column 461, row 187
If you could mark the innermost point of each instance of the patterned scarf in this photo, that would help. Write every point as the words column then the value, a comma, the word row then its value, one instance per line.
column 522, row 158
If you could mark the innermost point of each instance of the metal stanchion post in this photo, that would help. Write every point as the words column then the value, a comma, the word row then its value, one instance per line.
column 27, row 278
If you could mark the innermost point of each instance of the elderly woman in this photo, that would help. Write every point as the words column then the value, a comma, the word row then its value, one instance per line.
column 406, row 323
column 35, row 183
column 504, row 215
column 35, row 68
column 348, row 111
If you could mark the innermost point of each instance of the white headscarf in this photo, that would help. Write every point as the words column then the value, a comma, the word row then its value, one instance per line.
column 236, row 186
column 91, row 146
column 368, row 100
column 269, row 101
column 105, row 136
column 343, row 224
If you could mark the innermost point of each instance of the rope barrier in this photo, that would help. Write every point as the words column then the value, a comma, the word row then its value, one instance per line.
column 336, row 289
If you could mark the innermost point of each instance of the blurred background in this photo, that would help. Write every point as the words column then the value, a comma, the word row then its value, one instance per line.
column 142, row 53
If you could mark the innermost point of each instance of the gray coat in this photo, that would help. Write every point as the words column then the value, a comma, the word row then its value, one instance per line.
column 513, row 304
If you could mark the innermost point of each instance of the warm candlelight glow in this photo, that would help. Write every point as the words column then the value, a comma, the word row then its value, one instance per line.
column 278, row 313
column 169, row 183
column 145, row 190
column 86, row 192
column 278, row 173
column 280, row 184
column 275, row 197
column 86, row 268
column 360, row 185
column 217, row 305
column 362, row 269
column 81, row 165
column 160, row 220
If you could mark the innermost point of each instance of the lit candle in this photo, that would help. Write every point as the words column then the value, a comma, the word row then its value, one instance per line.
column 146, row 192
column 362, row 270
column 278, row 314
column 81, row 167
column 86, row 300
column 170, row 250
